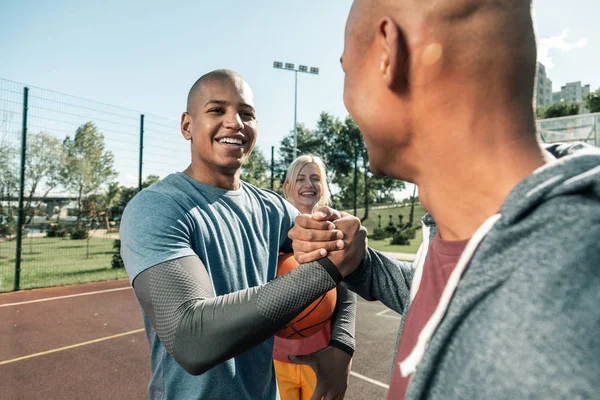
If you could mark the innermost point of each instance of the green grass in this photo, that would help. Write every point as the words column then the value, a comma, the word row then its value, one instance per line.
column 372, row 222
column 384, row 245
column 57, row 261
column 62, row 261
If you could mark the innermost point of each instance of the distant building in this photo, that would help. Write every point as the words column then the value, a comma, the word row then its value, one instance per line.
column 573, row 92
column 543, row 87
column 556, row 97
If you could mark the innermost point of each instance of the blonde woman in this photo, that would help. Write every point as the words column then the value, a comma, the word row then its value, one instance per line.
column 305, row 187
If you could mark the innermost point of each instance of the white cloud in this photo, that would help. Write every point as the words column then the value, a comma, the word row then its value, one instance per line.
column 549, row 44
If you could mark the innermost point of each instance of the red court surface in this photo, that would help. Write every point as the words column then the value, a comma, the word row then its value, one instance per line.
column 87, row 342
column 88, row 346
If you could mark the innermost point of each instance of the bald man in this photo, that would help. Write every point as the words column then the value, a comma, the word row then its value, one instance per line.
column 502, row 302
column 200, row 248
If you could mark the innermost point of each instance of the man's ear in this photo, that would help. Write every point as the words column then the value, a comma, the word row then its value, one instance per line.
column 393, row 54
column 186, row 126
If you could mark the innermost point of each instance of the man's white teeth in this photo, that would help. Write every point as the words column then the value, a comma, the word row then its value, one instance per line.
column 231, row 141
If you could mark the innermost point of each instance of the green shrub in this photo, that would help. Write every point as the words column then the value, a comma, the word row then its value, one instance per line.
column 79, row 234
column 404, row 236
column 379, row 234
column 117, row 261
column 56, row 230
column 6, row 229
column 390, row 230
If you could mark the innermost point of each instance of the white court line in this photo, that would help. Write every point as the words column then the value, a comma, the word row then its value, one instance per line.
column 43, row 353
column 371, row 303
column 384, row 312
column 355, row 374
column 63, row 297
column 366, row 378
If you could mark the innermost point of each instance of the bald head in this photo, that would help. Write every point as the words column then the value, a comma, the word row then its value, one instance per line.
column 418, row 69
column 218, row 75
column 471, row 36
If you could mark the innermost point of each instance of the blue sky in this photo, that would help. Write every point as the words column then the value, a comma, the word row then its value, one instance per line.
column 145, row 55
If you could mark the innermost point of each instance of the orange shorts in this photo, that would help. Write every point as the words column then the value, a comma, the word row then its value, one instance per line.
column 295, row 381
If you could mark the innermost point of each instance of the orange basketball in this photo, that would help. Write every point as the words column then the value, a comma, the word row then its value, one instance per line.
column 315, row 316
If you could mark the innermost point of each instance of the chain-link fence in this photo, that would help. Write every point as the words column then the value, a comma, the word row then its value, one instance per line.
column 576, row 128
column 67, row 168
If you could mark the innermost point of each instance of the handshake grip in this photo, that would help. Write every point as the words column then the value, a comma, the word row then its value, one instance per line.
column 329, row 233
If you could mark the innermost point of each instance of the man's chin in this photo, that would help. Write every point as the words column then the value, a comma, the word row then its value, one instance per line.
column 230, row 166
column 376, row 170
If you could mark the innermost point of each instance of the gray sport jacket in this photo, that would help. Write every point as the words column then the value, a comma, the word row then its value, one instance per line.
column 520, row 316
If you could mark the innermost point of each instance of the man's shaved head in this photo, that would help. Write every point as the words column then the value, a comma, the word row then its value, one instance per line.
column 218, row 75
column 472, row 33
column 412, row 67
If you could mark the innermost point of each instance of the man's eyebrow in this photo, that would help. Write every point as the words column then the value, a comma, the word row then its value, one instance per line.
column 247, row 105
column 220, row 102
column 226, row 103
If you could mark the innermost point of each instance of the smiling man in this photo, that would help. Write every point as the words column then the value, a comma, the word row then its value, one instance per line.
column 201, row 249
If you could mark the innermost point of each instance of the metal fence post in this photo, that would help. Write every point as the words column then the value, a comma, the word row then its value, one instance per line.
column 141, row 152
column 272, row 167
column 21, row 216
column 355, row 178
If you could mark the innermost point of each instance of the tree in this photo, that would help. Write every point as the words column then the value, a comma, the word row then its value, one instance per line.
column 110, row 198
column 592, row 101
column 345, row 156
column 539, row 112
column 85, row 164
column 9, row 181
column 42, row 169
column 308, row 143
column 254, row 170
column 9, row 186
column 561, row 109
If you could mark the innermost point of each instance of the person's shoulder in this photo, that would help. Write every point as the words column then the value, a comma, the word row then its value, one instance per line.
column 560, row 237
column 155, row 200
column 570, row 211
column 149, row 196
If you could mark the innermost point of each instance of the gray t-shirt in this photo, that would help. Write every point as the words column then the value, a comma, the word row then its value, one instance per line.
column 238, row 235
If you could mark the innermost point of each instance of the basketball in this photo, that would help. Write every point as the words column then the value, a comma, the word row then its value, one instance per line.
column 315, row 316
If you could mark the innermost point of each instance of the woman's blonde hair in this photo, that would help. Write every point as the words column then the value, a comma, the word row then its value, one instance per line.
column 294, row 170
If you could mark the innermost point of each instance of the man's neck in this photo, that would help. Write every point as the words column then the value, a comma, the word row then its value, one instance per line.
column 214, row 178
column 464, row 179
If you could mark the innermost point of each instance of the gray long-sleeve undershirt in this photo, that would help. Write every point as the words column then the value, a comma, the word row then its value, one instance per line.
column 200, row 330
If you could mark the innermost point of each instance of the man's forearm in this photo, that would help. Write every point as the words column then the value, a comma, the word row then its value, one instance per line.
column 382, row 278
column 343, row 321
column 201, row 331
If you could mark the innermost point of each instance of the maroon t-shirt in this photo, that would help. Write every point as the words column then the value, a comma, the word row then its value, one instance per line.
column 441, row 260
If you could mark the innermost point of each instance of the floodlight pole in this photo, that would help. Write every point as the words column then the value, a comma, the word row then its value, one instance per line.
column 301, row 68
column 295, row 113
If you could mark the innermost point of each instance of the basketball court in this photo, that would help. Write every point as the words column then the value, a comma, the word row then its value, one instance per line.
column 87, row 342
